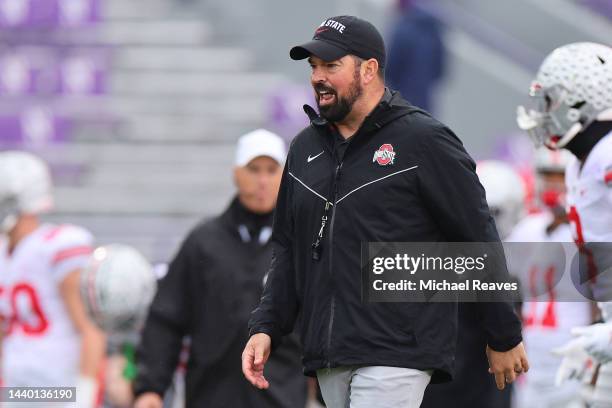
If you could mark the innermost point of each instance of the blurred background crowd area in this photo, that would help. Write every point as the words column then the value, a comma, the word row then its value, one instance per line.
column 137, row 105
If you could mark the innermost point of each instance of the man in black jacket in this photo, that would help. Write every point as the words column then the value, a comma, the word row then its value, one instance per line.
column 212, row 284
column 370, row 168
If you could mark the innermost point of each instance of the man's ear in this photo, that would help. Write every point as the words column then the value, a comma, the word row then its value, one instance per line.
column 369, row 70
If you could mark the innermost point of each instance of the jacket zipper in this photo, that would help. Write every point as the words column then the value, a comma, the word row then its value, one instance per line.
column 316, row 249
column 331, row 271
column 330, row 240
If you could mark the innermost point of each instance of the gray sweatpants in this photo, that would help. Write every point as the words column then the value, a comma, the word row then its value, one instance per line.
column 373, row 386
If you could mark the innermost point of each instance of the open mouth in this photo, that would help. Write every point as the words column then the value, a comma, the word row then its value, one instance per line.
column 325, row 96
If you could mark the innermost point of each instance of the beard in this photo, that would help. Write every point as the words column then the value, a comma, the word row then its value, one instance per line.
column 337, row 111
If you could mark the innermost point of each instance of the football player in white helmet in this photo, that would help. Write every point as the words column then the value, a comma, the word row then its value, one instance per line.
column 572, row 97
column 572, row 91
column 546, row 321
column 505, row 192
column 47, row 338
column 550, row 187
column 117, row 288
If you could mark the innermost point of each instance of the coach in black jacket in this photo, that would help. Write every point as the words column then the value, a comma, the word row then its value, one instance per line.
column 211, row 287
column 370, row 168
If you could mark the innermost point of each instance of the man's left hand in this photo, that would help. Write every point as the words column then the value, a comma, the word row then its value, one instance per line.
column 507, row 365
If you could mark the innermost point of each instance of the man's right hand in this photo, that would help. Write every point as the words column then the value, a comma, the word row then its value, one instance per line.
column 254, row 358
column 149, row 400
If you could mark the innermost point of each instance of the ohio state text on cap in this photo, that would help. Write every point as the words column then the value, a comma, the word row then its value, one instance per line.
column 340, row 36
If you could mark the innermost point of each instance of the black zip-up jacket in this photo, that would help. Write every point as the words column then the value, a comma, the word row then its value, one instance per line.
column 429, row 192
column 212, row 285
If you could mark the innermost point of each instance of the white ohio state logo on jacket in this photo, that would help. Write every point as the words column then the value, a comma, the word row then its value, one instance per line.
column 384, row 155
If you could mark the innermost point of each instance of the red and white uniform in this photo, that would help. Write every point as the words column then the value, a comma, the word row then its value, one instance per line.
column 589, row 197
column 589, row 194
column 546, row 322
column 41, row 346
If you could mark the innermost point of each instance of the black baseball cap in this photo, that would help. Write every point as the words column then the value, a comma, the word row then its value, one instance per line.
column 340, row 36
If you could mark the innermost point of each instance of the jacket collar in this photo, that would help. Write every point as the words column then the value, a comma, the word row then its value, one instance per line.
column 236, row 215
column 391, row 107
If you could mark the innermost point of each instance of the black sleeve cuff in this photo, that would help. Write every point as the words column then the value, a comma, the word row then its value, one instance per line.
column 504, row 345
column 140, row 387
column 274, row 334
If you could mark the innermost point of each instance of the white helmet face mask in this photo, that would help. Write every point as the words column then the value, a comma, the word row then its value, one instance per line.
column 573, row 88
column 9, row 214
column 25, row 187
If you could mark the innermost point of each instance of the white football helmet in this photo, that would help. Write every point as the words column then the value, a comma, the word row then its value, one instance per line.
column 505, row 193
column 25, row 187
column 117, row 288
column 551, row 161
column 573, row 88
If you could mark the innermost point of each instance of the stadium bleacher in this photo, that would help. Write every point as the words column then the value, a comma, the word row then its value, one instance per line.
column 137, row 108
column 141, row 140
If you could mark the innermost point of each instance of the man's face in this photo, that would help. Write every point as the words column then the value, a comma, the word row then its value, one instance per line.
column 258, row 184
column 337, row 85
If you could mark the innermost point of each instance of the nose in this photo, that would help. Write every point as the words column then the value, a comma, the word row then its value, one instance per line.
column 263, row 180
column 317, row 76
